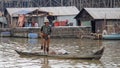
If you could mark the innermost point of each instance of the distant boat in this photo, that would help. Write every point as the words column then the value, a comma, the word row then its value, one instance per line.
column 111, row 37
column 6, row 34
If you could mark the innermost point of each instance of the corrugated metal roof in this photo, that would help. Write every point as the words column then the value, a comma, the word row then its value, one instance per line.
column 12, row 11
column 22, row 12
column 68, row 10
column 104, row 13
column 71, row 10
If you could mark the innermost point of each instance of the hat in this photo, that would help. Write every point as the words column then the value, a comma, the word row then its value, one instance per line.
column 46, row 21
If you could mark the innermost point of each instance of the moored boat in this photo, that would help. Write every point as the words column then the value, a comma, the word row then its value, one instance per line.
column 111, row 37
column 6, row 34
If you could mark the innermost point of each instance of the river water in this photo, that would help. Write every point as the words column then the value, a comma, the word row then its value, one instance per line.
column 10, row 59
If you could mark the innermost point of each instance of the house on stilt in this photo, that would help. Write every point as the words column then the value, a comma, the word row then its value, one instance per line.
column 99, row 19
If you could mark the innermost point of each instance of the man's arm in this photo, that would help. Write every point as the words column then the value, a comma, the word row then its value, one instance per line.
column 41, row 30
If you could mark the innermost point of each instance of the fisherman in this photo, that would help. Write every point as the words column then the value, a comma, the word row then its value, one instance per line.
column 45, row 35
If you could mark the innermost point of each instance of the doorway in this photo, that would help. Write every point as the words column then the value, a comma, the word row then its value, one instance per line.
column 78, row 22
column 93, row 26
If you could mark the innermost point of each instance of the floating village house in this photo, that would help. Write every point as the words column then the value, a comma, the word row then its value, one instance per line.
column 41, row 14
column 99, row 19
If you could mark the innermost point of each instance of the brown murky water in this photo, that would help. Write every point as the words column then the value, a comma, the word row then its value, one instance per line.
column 10, row 59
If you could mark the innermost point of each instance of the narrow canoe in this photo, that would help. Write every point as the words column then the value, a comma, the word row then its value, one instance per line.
column 65, row 56
column 111, row 37
column 6, row 34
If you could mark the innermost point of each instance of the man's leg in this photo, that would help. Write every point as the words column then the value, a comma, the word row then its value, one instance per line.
column 42, row 43
column 47, row 45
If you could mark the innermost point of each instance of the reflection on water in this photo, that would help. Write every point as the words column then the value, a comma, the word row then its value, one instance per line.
column 32, row 41
column 111, row 56
column 45, row 63
column 10, row 59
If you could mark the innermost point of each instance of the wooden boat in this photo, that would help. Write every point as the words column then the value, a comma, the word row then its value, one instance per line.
column 63, row 56
column 111, row 37
column 6, row 34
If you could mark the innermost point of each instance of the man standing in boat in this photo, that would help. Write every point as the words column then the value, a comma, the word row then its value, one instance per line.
column 45, row 36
